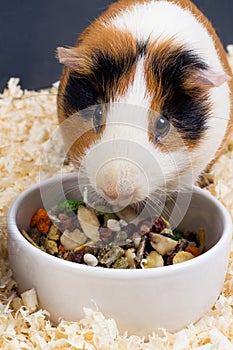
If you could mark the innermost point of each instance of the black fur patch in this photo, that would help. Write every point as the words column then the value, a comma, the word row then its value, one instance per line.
column 186, row 109
column 141, row 48
column 79, row 93
column 83, row 91
column 108, row 70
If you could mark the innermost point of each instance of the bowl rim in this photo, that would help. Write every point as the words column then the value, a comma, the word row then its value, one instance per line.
column 225, row 239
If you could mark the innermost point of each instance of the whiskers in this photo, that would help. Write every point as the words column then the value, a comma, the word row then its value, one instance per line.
column 92, row 197
column 172, row 204
column 155, row 203
column 85, row 185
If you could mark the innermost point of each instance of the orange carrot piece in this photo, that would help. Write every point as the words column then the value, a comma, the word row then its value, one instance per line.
column 192, row 250
column 41, row 220
column 61, row 248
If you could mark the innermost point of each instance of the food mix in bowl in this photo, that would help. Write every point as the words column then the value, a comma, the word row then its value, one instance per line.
column 78, row 233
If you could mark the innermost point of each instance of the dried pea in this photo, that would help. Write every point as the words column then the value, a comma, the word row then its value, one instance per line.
column 182, row 257
column 51, row 245
column 54, row 233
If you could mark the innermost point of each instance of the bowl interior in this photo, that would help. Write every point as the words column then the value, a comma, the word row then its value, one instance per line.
column 202, row 211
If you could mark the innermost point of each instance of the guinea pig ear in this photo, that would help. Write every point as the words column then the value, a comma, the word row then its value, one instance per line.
column 68, row 56
column 208, row 78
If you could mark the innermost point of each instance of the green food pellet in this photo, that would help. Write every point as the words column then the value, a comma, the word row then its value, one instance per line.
column 69, row 205
column 177, row 234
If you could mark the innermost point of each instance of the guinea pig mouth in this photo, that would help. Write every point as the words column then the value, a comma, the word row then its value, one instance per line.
column 117, row 182
column 124, row 197
column 121, row 182
column 117, row 197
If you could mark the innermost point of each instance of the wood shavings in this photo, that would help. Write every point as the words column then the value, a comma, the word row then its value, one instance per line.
column 28, row 119
column 29, row 299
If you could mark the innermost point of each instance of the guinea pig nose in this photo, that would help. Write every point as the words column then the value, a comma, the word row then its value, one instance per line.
column 114, row 182
column 113, row 196
column 118, row 196
column 110, row 195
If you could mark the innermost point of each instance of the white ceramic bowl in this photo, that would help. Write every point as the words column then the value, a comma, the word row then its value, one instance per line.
column 141, row 301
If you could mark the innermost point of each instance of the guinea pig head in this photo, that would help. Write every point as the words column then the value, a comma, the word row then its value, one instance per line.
column 135, row 114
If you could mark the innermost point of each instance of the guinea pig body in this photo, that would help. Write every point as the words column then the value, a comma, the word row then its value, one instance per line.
column 145, row 99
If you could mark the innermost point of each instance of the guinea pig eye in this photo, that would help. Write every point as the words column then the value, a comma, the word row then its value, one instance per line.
column 161, row 128
column 97, row 118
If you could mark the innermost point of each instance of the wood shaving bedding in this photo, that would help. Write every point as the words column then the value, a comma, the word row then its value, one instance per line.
column 27, row 120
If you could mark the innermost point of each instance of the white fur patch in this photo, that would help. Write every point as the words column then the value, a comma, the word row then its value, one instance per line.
column 137, row 94
column 125, row 154
column 161, row 20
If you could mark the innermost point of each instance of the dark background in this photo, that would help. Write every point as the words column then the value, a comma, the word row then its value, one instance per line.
column 32, row 29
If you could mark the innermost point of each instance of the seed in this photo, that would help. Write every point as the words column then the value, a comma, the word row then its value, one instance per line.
column 90, row 259
column 89, row 223
column 162, row 244
column 114, row 225
column 154, row 259
column 71, row 240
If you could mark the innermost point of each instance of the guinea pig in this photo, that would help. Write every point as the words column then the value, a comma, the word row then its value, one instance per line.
column 145, row 99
